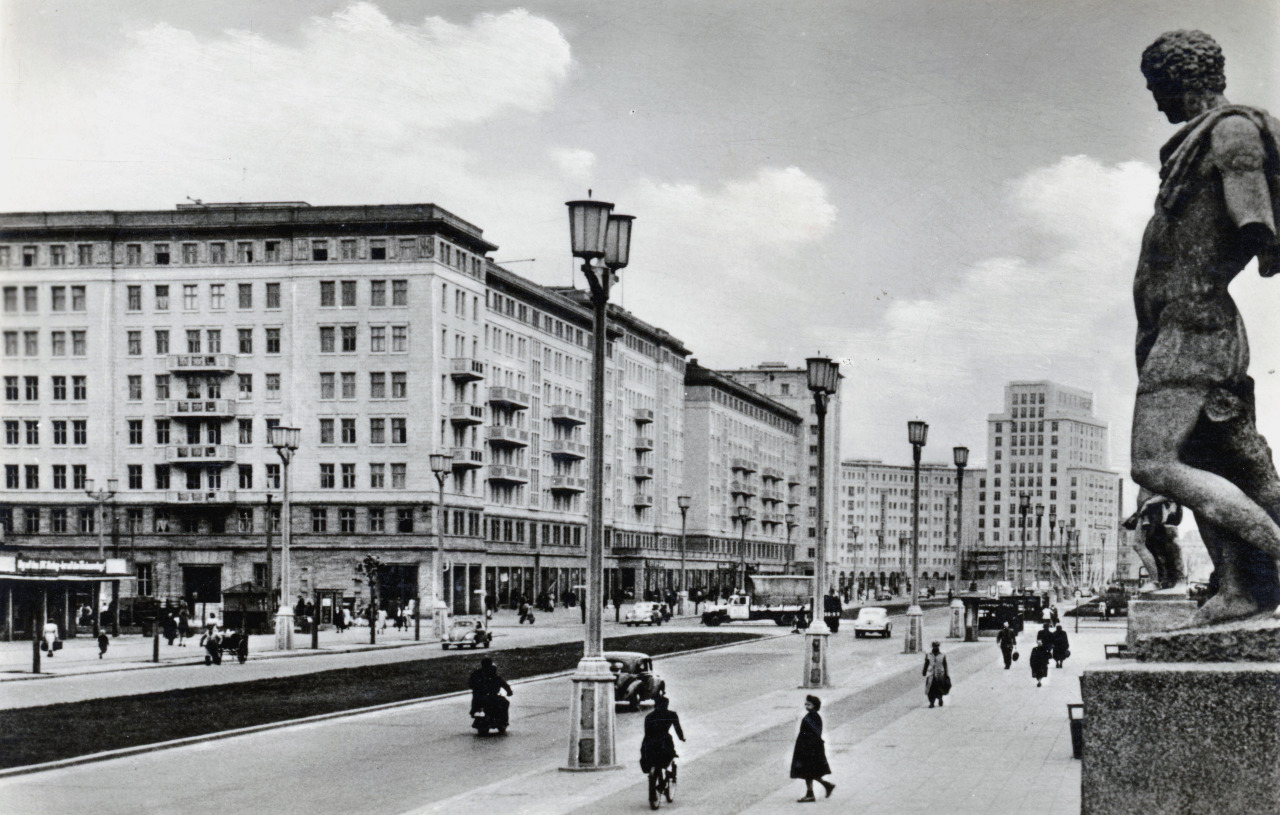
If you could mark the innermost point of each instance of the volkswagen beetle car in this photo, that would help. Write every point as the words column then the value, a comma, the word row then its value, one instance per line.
column 635, row 680
column 466, row 633
column 872, row 620
column 643, row 614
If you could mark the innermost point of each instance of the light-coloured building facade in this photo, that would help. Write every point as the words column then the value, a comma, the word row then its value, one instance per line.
column 876, row 523
column 790, row 386
column 742, row 449
column 1048, row 444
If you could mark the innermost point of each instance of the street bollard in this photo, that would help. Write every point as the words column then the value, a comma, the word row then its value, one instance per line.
column 957, row 619
column 1075, row 714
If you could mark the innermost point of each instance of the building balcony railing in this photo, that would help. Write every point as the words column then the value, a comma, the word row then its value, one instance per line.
column 771, row 474
column 741, row 488
column 769, row 494
column 745, row 465
column 793, row 480
column 506, row 434
column 770, row 518
column 509, row 473
column 644, row 444
column 510, row 397
column 568, row 414
column 642, row 501
column 642, row 472
column 466, row 414
column 466, row 369
column 792, row 503
column 567, row 483
column 202, row 363
column 199, row 408
column 200, row 453
column 467, row 458
column 643, row 415
column 201, row 496
column 566, row 449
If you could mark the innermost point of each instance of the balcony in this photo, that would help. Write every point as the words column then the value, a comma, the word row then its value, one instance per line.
column 467, row 458
column 771, row 474
column 200, row 408
column 568, row 414
column 201, row 497
column 509, row 397
column 466, row 369
column 770, row 518
column 745, row 465
column 507, row 435
column 461, row 413
column 770, row 494
column 202, row 363
column 642, row 501
column 741, row 488
column 643, row 444
column 567, row 483
column 642, row 472
column 508, row 473
column 200, row 453
column 793, row 480
column 643, row 415
column 792, row 503
column 566, row 449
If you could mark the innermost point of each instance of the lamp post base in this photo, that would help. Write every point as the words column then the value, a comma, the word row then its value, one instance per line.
column 914, row 642
column 683, row 605
column 439, row 619
column 284, row 629
column 957, row 619
column 816, row 638
column 592, row 717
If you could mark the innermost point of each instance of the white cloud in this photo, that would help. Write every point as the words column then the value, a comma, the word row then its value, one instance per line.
column 356, row 105
column 575, row 163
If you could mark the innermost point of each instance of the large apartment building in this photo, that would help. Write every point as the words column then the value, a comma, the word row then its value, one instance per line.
column 876, row 506
column 1047, row 444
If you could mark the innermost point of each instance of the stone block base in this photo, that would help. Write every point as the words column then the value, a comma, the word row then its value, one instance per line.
column 1253, row 640
column 1181, row 737
column 1158, row 616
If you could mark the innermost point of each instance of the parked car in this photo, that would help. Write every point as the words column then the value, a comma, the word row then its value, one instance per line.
column 883, row 595
column 466, row 633
column 636, row 680
column 872, row 620
column 644, row 614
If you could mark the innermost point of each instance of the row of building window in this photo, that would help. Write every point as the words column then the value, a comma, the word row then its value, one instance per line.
column 31, row 298
column 330, row 289
column 14, row 435
column 27, row 388
column 343, row 338
column 377, row 430
column 30, row 344
column 381, row 476
column 330, row 381
column 220, row 252
column 210, row 342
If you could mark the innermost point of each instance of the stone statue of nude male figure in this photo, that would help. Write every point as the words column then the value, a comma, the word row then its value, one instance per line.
column 1195, row 439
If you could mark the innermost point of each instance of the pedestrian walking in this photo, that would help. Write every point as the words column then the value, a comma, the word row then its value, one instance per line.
column 52, row 638
column 1045, row 636
column 184, row 626
column 1053, row 614
column 104, row 642
column 937, row 678
column 809, row 758
column 1061, row 646
column 1039, row 663
column 526, row 613
column 1007, row 639
column 170, row 626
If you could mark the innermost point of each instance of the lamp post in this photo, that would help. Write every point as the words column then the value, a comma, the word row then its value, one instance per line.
column 1024, row 508
column 683, row 502
column 101, row 497
column 1072, row 537
column 743, row 516
column 441, row 466
column 823, row 380
column 1053, row 521
column 960, row 455
column 285, row 440
column 856, row 558
column 595, row 235
column 790, row 520
column 1039, row 542
column 918, row 435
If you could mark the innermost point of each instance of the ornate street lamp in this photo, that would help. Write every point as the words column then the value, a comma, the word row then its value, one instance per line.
column 441, row 466
column 960, row 455
column 857, row 556
column 285, row 440
column 918, row 435
column 596, row 235
column 683, row 502
column 790, row 520
column 1024, row 509
column 743, row 516
column 1039, row 541
column 102, row 497
column 823, row 381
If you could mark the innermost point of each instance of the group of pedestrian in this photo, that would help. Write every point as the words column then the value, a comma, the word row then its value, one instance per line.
column 1052, row 644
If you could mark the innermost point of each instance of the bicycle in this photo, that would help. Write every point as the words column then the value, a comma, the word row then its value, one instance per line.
column 662, row 781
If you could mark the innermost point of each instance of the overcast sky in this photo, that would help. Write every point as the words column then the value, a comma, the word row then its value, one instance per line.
column 943, row 195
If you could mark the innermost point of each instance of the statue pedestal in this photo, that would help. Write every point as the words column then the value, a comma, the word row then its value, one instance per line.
column 1158, row 616
column 1181, row 737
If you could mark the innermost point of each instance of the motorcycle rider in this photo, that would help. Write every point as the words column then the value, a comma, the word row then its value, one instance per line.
column 658, row 749
column 485, row 684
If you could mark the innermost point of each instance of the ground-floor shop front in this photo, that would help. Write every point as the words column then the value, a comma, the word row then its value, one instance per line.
column 37, row 589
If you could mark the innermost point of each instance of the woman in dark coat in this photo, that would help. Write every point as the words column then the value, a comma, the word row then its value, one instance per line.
column 1061, row 646
column 809, row 759
column 1039, row 663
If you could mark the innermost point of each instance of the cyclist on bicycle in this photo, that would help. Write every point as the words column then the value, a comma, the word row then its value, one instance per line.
column 658, row 748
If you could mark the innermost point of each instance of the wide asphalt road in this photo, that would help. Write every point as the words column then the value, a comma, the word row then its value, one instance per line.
column 741, row 707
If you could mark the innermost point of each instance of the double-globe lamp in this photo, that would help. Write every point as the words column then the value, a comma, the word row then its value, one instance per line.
column 918, row 435
column 602, row 241
column 823, row 380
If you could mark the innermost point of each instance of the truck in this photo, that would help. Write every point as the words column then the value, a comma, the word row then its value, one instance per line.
column 769, row 597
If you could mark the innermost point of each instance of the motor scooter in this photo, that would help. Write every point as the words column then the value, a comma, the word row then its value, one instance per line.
column 492, row 714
